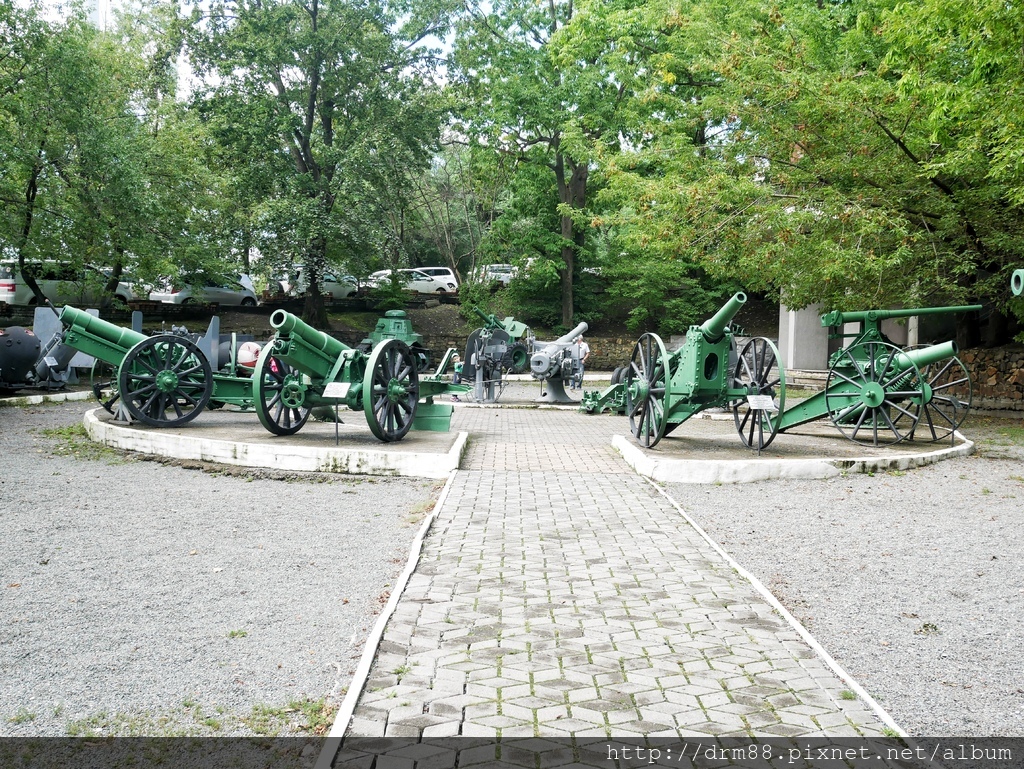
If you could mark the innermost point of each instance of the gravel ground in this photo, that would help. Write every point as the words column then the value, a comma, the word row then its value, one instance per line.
column 913, row 581
column 142, row 598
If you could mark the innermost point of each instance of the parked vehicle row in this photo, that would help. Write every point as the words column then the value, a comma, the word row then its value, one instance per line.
column 65, row 283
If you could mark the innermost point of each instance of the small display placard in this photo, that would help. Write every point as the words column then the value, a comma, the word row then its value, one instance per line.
column 761, row 402
column 336, row 389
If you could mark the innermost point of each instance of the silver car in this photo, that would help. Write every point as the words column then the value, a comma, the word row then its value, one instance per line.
column 228, row 294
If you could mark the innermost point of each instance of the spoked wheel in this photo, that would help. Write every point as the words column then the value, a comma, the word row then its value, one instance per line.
column 759, row 371
column 103, row 381
column 870, row 393
column 946, row 401
column 391, row 390
column 165, row 381
column 279, row 394
column 648, row 389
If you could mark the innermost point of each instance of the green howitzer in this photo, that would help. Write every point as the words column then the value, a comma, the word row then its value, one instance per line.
column 514, row 328
column 664, row 390
column 163, row 381
column 874, row 389
column 303, row 368
column 611, row 398
column 1017, row 282
column 877, row 391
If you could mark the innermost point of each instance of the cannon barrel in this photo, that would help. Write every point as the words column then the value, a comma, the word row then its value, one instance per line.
column 714, row 327
column 1017, row 282
column 486, row 318
column 568, row 338
column 924, row 356
column 286, row 323
column 544, row 363
column 837, row 318
column 97, row 337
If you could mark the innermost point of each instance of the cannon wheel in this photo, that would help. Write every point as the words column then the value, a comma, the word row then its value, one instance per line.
column 648, row 389
column 866, row 396
column 391, row 390
column 759, row 371
column 949, row 395
column 278, row 394
column 103, row 382
column 165, row 381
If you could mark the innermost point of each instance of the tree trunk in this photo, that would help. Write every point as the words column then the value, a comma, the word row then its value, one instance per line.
column 31, row 190
column 314, row 312
column 572, row 192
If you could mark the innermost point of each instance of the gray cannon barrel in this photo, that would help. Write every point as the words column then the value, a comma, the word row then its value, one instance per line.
column 545, row 362
column 714, row 327
column 1017, row 282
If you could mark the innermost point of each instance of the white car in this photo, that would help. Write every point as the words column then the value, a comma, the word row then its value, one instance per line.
column 230, row 294
column 339, row 287
column 61, row 283
column 415, row 280
column 498, row 273
column 444, row 273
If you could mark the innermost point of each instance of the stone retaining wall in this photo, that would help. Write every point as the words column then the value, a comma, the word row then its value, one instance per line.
column 998, row 377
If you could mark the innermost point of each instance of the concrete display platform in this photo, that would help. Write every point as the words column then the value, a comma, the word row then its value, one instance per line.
column 705, row 449
column 708, row 450
column 237, row 438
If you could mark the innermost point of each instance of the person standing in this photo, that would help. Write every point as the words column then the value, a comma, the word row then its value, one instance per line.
column 457, row 376
column 582, row 354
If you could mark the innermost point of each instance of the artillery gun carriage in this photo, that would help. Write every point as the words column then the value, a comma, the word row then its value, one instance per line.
column 874, row 391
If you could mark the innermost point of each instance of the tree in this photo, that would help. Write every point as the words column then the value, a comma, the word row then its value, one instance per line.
column 525, row 95
column 820, row 172
column 341, row 91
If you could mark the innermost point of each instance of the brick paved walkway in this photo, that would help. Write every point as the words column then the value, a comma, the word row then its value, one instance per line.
column 558, row 594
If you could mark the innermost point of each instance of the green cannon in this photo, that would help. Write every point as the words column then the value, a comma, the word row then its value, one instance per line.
column 611, row 398
column 664, row 390
column 874, row 390
column 1017, row 282
column 302, row 368
column 163, row 381
column 945, row 387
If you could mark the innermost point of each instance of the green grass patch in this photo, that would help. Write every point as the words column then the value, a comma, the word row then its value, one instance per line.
column 192, row 719
column 22, row 716
column 73, row 441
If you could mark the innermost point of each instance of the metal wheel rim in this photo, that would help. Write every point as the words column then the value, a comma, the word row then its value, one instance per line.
column 759, row 368
column 391, row 390
column 268, row 382
column 148, row 363
column 943, row 412
column 851, row 417
column 648, row 389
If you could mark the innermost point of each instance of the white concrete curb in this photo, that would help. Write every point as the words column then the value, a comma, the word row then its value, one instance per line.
column 774, row 602
column 355, row 689
column 666, row 470
column 328, row 459
column 35, row 400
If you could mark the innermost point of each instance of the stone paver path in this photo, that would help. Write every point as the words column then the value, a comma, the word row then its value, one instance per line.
column 559, row 594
